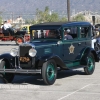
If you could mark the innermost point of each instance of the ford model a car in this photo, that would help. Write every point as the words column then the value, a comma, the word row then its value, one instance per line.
column 56, row 45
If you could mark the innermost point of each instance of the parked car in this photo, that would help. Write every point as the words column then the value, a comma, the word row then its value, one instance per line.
column 25, row 28
column 17, row 36
column 51, row 51
column 97, row 37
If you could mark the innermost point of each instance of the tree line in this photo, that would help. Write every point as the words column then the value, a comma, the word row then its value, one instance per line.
column 47, row 16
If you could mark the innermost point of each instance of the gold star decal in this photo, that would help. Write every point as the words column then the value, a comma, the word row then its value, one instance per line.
column 71, row 49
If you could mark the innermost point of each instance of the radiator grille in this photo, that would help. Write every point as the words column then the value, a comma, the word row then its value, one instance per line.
column 24, row 53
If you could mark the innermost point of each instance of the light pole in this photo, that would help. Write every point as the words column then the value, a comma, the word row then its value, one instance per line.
column 68, row 9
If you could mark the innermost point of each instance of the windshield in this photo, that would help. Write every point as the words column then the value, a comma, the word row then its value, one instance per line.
column 24, row 28
column 46, row 34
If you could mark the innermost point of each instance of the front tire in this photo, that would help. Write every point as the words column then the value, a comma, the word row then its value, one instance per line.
column 90, row 64
column 8, row 77
column 49, row 72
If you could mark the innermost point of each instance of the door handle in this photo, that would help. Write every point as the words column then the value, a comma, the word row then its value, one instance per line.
column 79, row 43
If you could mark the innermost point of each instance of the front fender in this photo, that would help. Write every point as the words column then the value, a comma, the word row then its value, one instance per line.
column 56, row 58
column 6, row 56
column 85, row 54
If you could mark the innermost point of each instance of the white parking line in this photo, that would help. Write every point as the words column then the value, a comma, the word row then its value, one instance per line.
column 74, row 92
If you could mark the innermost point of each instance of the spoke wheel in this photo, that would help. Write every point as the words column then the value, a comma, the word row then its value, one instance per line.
column 49, row 72
column 90, row 65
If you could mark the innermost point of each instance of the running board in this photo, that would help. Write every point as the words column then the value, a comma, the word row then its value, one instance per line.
column 20, row 71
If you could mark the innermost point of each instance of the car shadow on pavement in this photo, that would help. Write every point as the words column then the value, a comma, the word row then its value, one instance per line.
column 68, row 73
column 37, row 79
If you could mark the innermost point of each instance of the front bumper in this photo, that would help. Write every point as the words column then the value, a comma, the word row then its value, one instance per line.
column 21, row 71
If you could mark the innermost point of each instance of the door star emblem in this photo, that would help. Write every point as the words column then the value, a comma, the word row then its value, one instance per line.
column 71, row 49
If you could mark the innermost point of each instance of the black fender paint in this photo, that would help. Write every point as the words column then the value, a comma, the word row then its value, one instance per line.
column 6, row 56
column 9, row 58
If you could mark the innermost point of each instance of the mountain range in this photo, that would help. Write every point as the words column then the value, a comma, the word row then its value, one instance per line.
column 59, row 6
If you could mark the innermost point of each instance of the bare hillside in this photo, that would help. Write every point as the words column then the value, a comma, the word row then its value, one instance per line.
column 30, row 6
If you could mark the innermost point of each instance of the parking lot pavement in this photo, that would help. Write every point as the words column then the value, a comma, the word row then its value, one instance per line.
column 70, row 85
column 5, row 46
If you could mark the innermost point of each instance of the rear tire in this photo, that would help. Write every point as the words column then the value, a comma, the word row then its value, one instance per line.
column 8, row 77
column 49, row 72
column 90, row 64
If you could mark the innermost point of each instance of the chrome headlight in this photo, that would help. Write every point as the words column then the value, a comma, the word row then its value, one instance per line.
column 14, row 52
column 32, row 52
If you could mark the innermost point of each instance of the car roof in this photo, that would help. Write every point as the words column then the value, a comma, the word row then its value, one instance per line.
column 56, row 25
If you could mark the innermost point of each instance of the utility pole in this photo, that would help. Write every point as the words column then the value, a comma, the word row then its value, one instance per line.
column 12, row 17
column 93, row 20
column 68, row 9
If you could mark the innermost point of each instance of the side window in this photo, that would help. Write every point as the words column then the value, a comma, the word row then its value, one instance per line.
column 74, row 32
column 47, row 34
column 24, row 28
column 84, row 32
column 70, row 33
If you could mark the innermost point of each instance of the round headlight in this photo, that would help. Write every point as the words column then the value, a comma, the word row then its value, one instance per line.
column 32, row 52
column 14, row 52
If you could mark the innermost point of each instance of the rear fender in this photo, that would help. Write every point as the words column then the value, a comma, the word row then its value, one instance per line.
column 85, row 54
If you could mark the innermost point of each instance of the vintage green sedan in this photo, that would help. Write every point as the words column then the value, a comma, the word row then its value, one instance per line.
column 55, row 45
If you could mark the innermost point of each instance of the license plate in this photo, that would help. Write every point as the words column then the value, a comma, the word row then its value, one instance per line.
column 24, row 59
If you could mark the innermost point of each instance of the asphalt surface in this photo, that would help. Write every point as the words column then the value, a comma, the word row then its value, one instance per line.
column 69, row 85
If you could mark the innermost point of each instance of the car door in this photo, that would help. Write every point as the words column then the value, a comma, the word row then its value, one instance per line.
column 69, row 45
column 72, row 48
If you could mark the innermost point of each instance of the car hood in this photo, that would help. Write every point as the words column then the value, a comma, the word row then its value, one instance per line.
column 39, row 44
column 43, row 43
